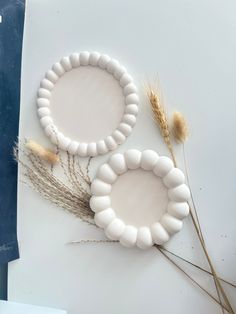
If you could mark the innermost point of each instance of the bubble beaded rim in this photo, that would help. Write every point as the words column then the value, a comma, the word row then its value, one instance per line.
column 158, row 232
column 123, row 130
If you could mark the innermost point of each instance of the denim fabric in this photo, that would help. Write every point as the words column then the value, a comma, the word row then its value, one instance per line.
column 11, row 33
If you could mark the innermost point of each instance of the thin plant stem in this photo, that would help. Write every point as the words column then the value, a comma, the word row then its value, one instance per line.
column 197, row 266
column 161, row 250
column 215, row 278
column 86, row 241
column 87, row 169
column 192, row 279
column 199, row 234
column 172, row 155
column 162, row 122
column 191, row 193
column 197, row 220
column 197, row 226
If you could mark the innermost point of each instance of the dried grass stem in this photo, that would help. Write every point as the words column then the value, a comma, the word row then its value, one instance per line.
column 73, row 197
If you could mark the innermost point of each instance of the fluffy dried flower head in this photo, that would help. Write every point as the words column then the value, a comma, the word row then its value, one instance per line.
column 43, row 153
column 179, row 127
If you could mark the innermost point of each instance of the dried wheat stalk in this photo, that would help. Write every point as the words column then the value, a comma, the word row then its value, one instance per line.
column 181, row 129
column 161, row 119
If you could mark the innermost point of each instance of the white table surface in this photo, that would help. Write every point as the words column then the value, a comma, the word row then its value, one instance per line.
column 7, row 307
column 191, row 45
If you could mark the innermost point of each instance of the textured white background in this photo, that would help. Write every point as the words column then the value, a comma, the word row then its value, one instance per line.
column 191, row 45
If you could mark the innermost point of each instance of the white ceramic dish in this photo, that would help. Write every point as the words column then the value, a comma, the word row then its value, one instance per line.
column 157, row 232
column 123, row 129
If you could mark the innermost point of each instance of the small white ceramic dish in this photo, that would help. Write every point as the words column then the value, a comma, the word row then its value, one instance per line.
column 129, row 94
column 158, row 232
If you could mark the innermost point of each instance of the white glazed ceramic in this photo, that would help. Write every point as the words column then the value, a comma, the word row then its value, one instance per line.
column 157, row 232
column 128, row 120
